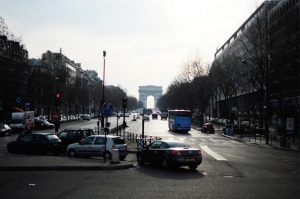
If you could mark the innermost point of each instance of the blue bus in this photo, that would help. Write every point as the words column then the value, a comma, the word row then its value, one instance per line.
column 180, row 120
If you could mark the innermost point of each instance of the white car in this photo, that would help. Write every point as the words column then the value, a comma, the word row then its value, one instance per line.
column 86, row 117
column 94, row 146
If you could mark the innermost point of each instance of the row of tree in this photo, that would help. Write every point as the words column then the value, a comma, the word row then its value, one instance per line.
column 37, row 81
column 255, row 63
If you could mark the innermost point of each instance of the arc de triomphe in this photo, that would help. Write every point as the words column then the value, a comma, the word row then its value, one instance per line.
column 150, row 90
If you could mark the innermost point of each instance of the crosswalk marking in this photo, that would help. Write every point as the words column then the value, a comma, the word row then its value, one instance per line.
column 203, row 141
column 192, row 139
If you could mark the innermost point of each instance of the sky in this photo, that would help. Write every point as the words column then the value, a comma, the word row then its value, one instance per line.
column 146, row 41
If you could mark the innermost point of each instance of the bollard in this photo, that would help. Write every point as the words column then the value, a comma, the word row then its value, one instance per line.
column 115, row 156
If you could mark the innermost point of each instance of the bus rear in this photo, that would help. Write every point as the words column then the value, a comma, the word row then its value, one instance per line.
column 180, row 120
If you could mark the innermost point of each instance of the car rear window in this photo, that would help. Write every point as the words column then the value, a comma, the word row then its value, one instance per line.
column 119, row 141
column 178, row 144
column 51, row 137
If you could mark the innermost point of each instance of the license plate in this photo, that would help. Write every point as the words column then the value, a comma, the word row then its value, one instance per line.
column 190, row 159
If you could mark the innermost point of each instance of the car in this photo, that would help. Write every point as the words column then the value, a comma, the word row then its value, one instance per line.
column 5, row 129
column 208, row 127
column 146, row 117
column 154, row 115
column 170, row 153
column 70, row 136
column 40, row 143
column 94, row 146
column 63, row 119
column 86, row 117
column 44, row 124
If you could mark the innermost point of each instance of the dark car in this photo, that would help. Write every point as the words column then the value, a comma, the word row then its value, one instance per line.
column 208, row 127
column 154, row 115
column 169, row 153
column 5, row 129
column 40, row 143
column 43, row 124
column 70, row 136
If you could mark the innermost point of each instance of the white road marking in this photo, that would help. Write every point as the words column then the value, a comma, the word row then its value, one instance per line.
column 212, row 153
column 192, row 139
column 181, row 139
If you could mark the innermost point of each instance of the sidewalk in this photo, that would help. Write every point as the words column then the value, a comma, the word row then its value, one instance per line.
column 289, row 144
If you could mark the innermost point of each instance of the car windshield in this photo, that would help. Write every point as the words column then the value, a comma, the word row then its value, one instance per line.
column 51, row 137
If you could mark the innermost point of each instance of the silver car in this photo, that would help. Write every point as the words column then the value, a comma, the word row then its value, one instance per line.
column 94, row 146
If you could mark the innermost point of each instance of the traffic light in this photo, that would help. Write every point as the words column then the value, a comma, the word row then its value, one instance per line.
column 124, row 103
column 57, row 99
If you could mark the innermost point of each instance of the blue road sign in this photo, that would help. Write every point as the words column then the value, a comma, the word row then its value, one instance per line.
column 109, row 110
column 104, row 110
column 18, row 99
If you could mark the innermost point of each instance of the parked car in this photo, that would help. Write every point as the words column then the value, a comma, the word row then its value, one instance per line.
column 95, row 145
column 5, row 130
column 70, row 136
column 40, row 143
column 63, row 119
column 86, row 117
column 170, row 153
column 208, row 127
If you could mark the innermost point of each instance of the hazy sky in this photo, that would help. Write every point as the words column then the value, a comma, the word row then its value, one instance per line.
column 146, row 41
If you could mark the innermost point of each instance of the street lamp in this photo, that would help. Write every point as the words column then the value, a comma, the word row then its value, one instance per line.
column 102, row 117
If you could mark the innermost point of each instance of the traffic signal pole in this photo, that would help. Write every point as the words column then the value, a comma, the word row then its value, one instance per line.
column 124, row 105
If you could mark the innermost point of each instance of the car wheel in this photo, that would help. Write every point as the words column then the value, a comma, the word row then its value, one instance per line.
column 165, row 164
column 107, row 155
column 72, row 153
column 204, row 130
column 9, row 133
column 140, row 159
column 193, row 167
column 10, row 150
column 122, row 157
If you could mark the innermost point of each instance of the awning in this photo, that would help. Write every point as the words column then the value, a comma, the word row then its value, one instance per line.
column 17, row 109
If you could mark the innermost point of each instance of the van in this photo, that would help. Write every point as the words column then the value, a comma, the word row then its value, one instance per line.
column 164, row 114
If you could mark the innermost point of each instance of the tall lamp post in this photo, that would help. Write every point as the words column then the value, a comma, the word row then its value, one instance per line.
column 102, row 102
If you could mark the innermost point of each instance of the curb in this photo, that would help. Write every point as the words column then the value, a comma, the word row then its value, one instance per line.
column 282, row 148
column 112, row 166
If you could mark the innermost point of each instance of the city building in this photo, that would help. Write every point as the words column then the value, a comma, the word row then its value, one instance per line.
column 262, row 58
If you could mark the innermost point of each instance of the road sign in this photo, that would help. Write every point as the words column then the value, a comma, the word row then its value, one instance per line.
column 55, row 116
column 18, row 99
column 104, row 110
column 109, row 110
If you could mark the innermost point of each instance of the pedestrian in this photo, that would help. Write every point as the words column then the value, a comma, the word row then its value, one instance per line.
column 56, row 125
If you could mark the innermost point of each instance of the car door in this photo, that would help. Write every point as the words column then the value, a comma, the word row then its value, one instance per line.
column 152, row 152
column 85, row 147
column 73, row 136
column 97, row 148
column 63, row 136
column 25, row 144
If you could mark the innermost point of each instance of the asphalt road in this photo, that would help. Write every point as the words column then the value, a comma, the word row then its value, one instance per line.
column 230, row 169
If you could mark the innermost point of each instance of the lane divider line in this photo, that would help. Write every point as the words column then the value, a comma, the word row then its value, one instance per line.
column 212, row 153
